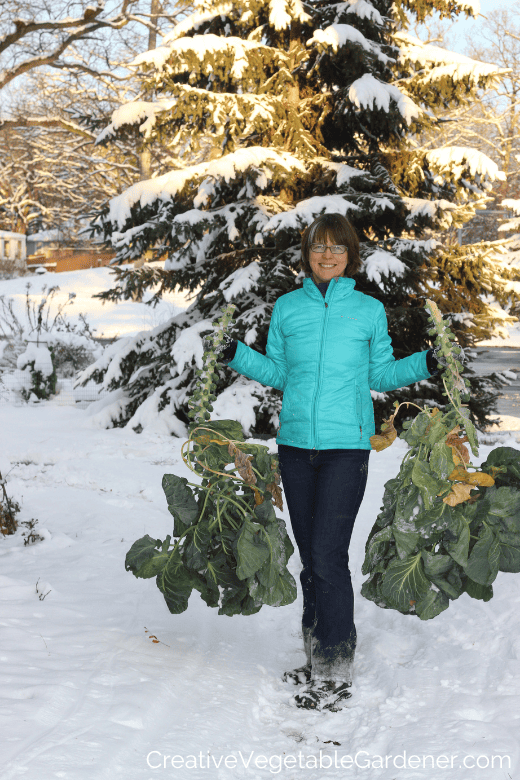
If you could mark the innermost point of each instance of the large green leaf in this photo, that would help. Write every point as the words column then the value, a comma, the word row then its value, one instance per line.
column 509, row 551
column 508, row 458
column 406, row 506
column 470, row 429
column 231, row 429
column 457, row 540
column 438, row 518
column 375, row 548
column 181, row 502
column 143, row 558
column 268, row 573
column 404, row 581
column 428, row 484
column 414, row 434
column 405, row 541
column 441, row 460
column 387, row 512
column 371, row 589
column 432, row 604
column 482, row 566
column 478, row 591
column 436, row 564
column 196, row 550
column 252, row 550
column 280, row 593
column 438, row 429
column 232, row 599
column 504, row 502
column 175, row 583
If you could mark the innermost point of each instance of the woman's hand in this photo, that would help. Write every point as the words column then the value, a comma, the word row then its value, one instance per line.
column 225, row 350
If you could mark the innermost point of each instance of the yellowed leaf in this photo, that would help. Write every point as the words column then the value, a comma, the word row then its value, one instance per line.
column 459, row 494
column 460, row 474
column 380, row 441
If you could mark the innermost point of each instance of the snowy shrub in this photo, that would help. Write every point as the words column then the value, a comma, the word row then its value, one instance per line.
column 73, row 345
column 8, row 511
column 36, row 372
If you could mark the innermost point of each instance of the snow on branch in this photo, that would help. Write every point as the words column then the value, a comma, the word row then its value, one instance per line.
column 369, row 92
column 196, row 20
column 338, row 35
column 166, row 187
column 207, row 52
column 458, row 160
column 283, row 12
column 362, row 9
column 439, row 211
column 511, row 204
column 306, row 212
column 223, row 113
column 382, row 263
column 240, row 281
column 436, row 64
column 138, row 111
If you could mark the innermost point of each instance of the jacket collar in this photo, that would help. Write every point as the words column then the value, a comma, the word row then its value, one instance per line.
column 339, row 286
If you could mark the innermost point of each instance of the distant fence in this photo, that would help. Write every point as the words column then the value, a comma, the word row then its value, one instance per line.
column 12, row 383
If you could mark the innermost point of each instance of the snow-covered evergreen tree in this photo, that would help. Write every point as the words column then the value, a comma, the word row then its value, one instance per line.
column 277, row 111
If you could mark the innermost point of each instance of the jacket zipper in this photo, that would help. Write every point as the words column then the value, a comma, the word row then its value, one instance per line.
column 316, row 392
column 360, row 413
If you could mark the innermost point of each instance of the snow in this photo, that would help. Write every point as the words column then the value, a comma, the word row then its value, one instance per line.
column 307, row 210
column 39, row 355
column 138, row 111
column 433, row 209
column 201, row 48
column 435, row 63
column 241, row 280
column 369, row 92
column 108, row 319
column 195, row 20
column 100, row 680
column 45, row 235
column 282, row 13
column 337, row 35
column 362, row 9
column 383, row 263
column 166, row 186
column 455, row 160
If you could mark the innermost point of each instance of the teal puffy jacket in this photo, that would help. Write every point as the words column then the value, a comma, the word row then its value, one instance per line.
column 326, row 355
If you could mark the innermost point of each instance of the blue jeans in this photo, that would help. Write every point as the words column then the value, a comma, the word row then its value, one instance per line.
column 324, row 490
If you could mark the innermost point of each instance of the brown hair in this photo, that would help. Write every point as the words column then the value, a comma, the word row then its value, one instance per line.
column 337, row 228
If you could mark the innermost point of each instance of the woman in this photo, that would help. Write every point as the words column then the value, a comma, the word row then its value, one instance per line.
column 327, row 347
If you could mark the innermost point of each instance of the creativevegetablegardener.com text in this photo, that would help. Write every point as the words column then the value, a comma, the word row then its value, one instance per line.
column 360, row 760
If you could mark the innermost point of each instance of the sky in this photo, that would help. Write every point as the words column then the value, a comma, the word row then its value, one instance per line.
column 471, row 27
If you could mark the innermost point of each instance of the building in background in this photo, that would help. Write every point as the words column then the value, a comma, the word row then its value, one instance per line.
column 50, row 249
column 13, row 251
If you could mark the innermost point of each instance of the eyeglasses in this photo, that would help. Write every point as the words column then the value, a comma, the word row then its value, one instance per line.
column 336, row 249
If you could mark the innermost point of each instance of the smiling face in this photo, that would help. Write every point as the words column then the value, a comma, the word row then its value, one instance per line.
column 326, row 266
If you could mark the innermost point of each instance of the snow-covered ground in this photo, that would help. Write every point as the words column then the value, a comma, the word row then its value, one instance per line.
column 87, row 693
column 100, row 681
column 109, row 319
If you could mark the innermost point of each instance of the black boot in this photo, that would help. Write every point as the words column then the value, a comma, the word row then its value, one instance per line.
column 298, row 676
column 323, row 695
